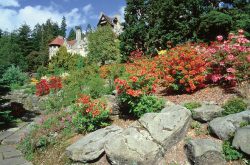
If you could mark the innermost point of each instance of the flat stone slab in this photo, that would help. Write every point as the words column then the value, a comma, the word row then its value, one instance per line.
column 242, row 139
column 133, row 146
column 225, row 127
column 15, row 161
column 207, row 112
column 17, row 136
column 91, row 146
column 9, row 155
column 205, row 152
column 4, row 135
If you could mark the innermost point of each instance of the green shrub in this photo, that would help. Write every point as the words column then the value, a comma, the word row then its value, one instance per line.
column 5, row 117
column 234, row 105
column 14, row 75
column 244, row 123
column 30, row 89
column 192, row 105
column 231, row 153
column 111, row 72
column 213, row 24
column 27, row 147
column 100, row 51
column 82, row 81
column 147, row 104
column 41, row 71
column 94, row 86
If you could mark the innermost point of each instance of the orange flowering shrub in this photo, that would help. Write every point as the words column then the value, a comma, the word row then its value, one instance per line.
column 183, row 68
column 140, row 79
column 90, row 114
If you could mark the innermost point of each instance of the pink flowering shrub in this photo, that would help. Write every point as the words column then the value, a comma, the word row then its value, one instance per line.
column 229, row 59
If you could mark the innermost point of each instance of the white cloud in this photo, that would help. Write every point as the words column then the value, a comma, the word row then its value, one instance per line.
column 87, row 8
column 9, row 3
column 11, row 19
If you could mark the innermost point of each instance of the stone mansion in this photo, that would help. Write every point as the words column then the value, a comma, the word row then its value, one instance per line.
column 79, row 45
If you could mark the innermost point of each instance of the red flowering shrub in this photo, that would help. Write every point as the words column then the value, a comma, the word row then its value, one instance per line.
column 229, row 59
column 55, row 83
column 90, row 114
column 44, row 87
column 136, row 55
column 183, row 68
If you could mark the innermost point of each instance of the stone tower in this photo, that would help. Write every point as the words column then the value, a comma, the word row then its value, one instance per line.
column 78, row 33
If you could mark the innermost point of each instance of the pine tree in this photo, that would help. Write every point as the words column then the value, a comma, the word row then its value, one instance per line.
column 135, row 29
column 24, row 39
column 88, row 28
column 1, row 33
column 173, row 21
column 63, row 27
column 72, row 34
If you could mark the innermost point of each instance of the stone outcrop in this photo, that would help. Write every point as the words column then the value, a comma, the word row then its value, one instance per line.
column 225, row 127
column 166, row 128
column 207, row 112
column 242, row 139
column 91, row 146
column 146, row 141
column 29, row 101
column 133, row 146
column 204, row 152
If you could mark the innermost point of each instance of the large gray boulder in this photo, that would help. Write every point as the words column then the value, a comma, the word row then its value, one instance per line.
column 207, row 112
column 146, row 141
column 29, row 101
column 204, row 152
column 91, row 146
column 167, row 128
column 242, row 139
column 225, row 127
column 134, row 146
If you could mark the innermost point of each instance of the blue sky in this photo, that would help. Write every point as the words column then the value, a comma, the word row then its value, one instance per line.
column 13, row 13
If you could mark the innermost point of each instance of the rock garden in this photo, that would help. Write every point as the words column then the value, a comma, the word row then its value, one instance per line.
column 186, row 105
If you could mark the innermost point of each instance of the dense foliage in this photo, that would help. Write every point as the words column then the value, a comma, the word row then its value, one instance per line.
column 65, row 61
column 14, row 75
column 103, row 46
column 28, row 48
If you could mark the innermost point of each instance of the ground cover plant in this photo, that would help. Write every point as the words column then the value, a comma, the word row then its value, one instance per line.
column 234, row 105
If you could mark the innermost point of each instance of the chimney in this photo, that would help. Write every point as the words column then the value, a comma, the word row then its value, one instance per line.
column 118, row 17
column 78, row 33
